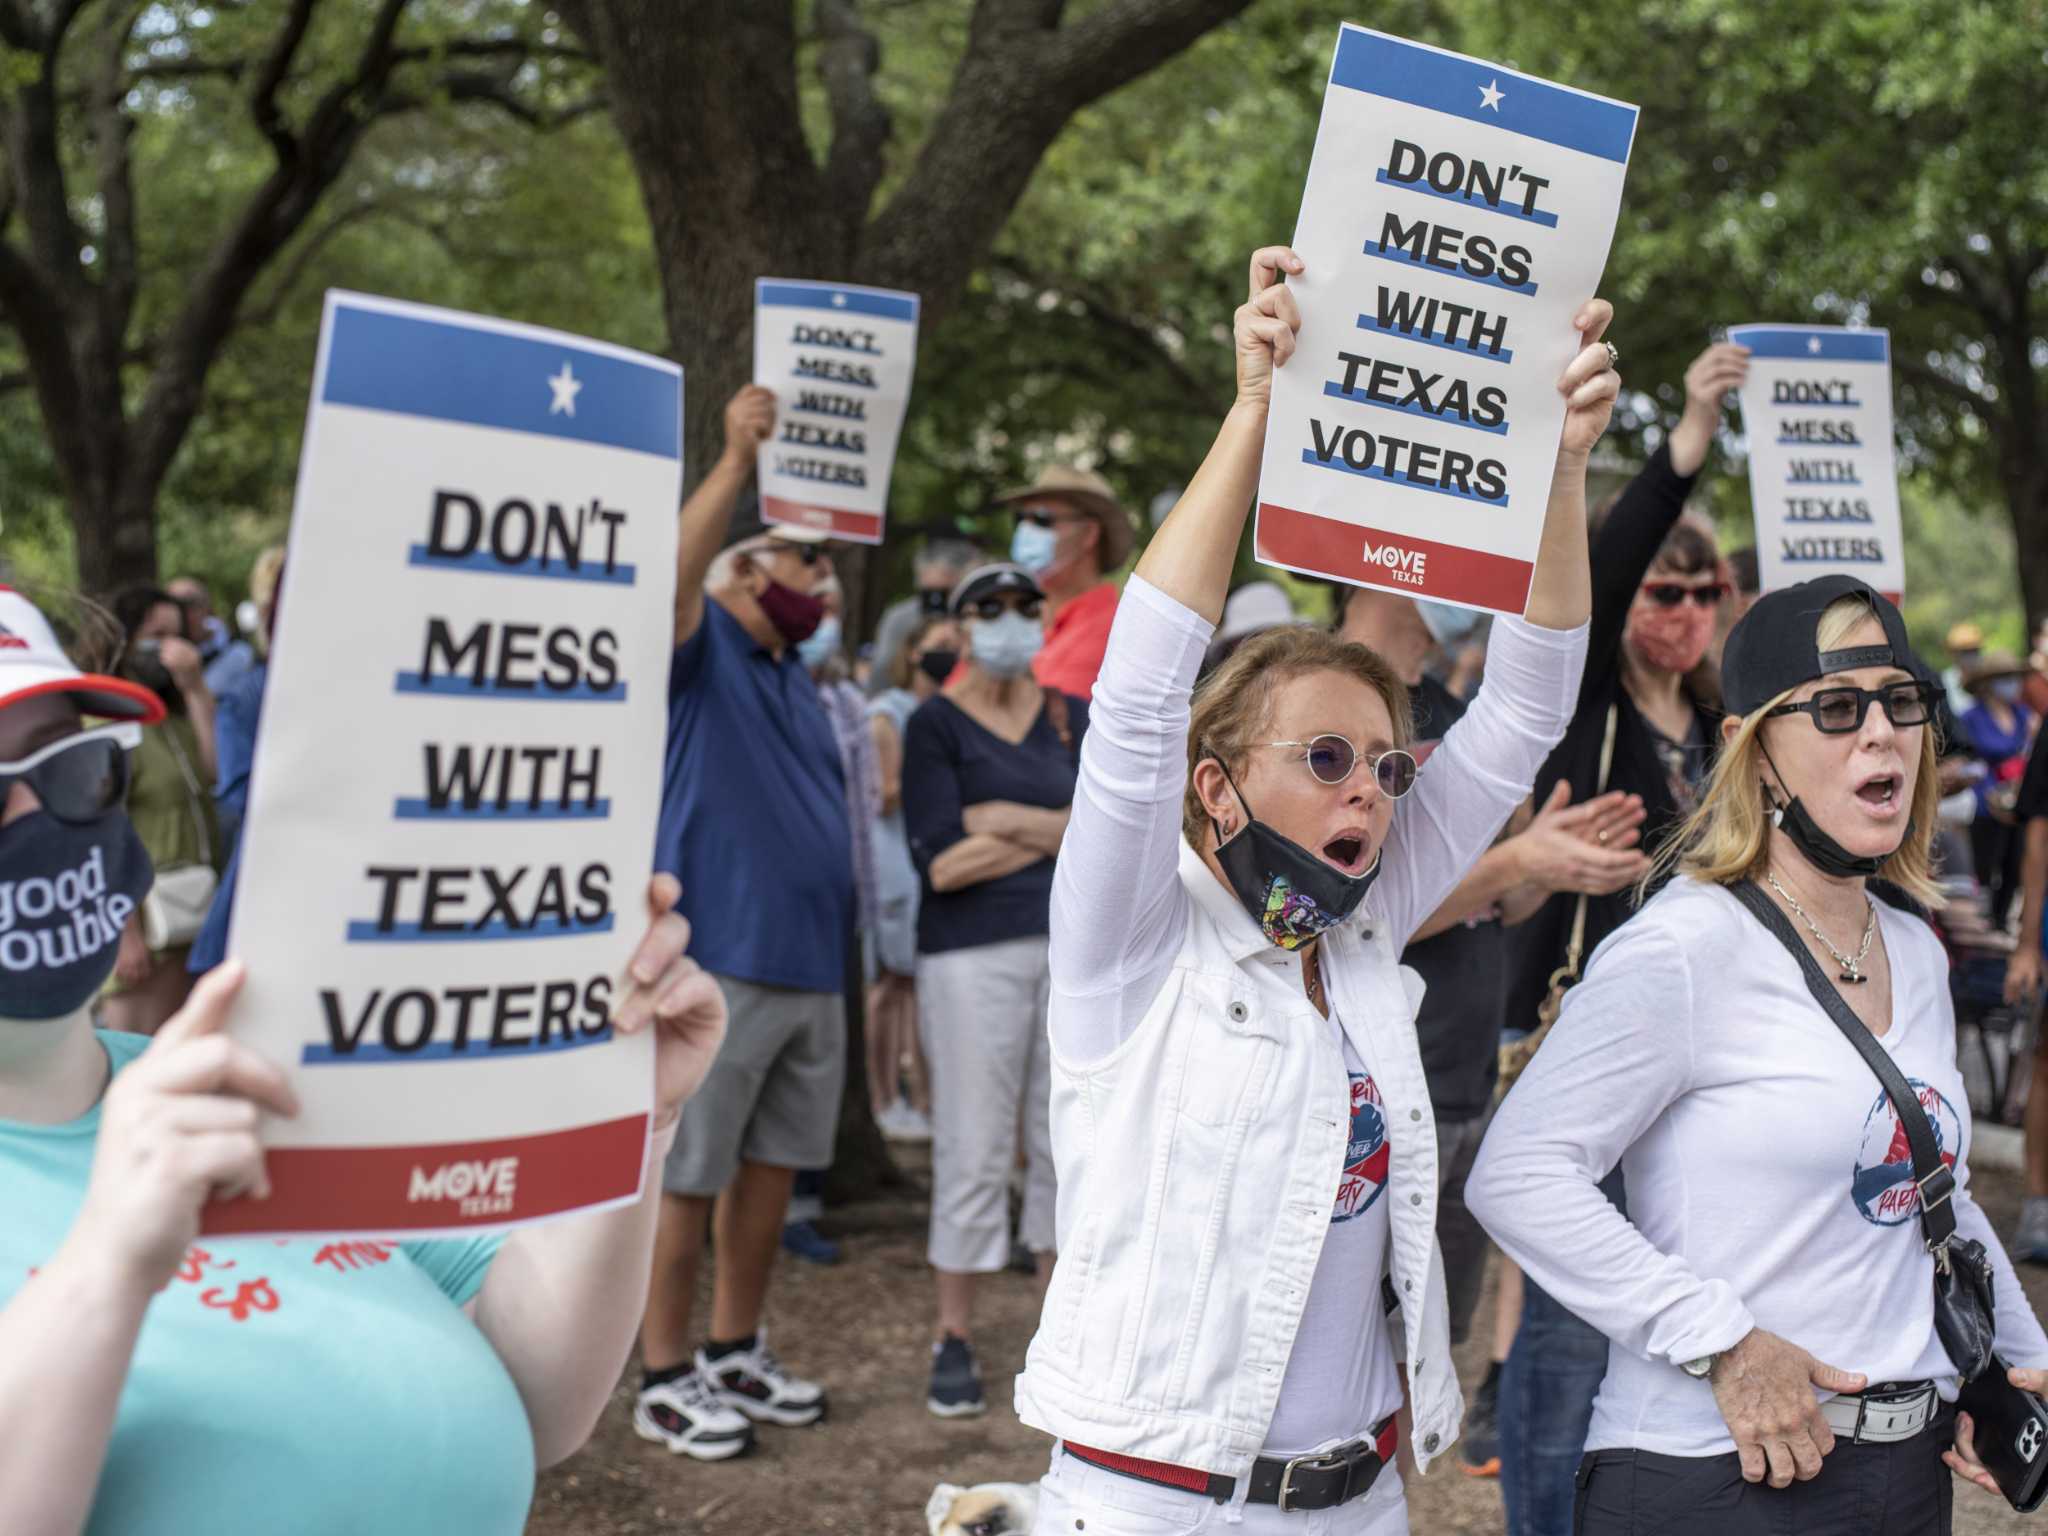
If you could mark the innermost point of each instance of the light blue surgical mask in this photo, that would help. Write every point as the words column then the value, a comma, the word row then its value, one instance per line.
column 1447, row 624
column 1034, row 547
column 821, row 644
column 1005, row 647
column 2006, row 690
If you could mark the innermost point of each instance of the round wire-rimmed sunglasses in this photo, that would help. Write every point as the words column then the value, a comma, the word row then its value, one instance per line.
column 1331, row 758
column 78, row 778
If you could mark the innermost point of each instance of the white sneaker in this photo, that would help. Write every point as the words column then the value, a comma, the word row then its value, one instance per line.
column 755, row 1383
column 686, row 1416
column 903, row 1122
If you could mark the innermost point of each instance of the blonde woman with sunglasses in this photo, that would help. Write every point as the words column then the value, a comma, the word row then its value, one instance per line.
column 1241, row 1129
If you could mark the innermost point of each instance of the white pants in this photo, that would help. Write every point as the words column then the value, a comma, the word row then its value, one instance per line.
column 1077, row 1499
column 981, row 1019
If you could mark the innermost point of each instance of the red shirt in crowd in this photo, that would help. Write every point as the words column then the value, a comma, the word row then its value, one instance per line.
column 1075, row 639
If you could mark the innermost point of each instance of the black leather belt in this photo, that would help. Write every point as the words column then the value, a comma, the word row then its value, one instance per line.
column 1320, row 1481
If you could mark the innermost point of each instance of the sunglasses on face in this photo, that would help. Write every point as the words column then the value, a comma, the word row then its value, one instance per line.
column 1047, row 517
column 996, row 607
column 806, row 554
column 1669, row 594
column 1331, row 758
column 78, row 778
column 1838, row 711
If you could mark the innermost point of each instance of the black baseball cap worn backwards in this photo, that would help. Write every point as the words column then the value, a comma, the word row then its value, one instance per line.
column 1774, row 648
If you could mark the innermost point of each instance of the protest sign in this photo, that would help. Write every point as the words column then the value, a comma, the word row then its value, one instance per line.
column 1457, row 215
column 1817, row 409
column 839, row 359
column 450, row 827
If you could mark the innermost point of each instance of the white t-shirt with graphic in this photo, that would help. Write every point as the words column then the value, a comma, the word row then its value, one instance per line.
column 1769, row 1182
column 1341, row 1379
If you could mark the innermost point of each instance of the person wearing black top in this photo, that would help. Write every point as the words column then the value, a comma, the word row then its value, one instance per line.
column 988, row 777
column 2023, row 975
column 1656, row 585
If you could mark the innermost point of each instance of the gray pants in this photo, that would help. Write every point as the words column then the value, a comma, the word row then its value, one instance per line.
column 772, row 1096
column 1458, row 1233
column 981, row 1018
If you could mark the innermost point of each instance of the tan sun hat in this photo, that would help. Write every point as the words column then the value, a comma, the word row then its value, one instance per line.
column 1091, row 494
column 1991, row 666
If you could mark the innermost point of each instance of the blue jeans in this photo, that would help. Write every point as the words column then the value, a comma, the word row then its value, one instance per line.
column 1547, row 1388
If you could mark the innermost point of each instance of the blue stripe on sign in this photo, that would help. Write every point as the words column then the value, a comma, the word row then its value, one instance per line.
column 1336, row 392
column 551, row 567
column 412, row 933
column 1818, row 485
column 444, row 1050
column 826, row 379
column 420, row 367
column 1833, row 346
column 412, row 682
column 1791, row 559
column 1547, row 220
column 1807, row 442
column 455, row 810
column 1374, row 248
column 1374, row 472
column 1445, row 82
column 789, row 447
column 1367, row 323
column 839, row 301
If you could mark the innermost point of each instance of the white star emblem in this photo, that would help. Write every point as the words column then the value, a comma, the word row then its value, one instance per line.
column 1813, row 343
column 839, row 301
column 565, row 385
column 1490, row 95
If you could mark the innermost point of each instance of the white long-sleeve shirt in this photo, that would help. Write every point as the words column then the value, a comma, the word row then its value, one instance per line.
column 1769, row 1183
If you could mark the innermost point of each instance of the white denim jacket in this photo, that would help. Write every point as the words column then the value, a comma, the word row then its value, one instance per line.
column 1199, row 1114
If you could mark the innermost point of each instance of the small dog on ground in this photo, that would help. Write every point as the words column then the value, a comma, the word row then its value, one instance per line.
column 990, row 1509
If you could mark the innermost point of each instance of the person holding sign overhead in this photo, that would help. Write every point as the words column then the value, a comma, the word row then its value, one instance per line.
column 1243, row 1136
column 754, row 824
column 240, row 1386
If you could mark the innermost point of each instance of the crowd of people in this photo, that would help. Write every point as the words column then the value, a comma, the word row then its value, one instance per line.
column 1202, row 932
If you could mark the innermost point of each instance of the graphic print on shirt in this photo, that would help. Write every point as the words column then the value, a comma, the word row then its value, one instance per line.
column 1884, row 1188
column 1365, row 1161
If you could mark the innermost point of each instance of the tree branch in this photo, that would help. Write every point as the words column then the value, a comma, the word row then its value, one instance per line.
column 1954, row 389
column 111, row 128
column 263, row 95
column 860, row 123
column 1119, row 42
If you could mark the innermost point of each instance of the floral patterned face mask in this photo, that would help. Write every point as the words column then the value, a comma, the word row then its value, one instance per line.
column 1290, row 893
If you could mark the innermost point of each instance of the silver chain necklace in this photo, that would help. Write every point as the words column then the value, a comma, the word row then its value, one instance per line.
column 1852, row 969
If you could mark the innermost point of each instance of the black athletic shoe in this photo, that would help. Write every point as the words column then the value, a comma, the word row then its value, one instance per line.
column 1479, row 1442
column 955, row 1391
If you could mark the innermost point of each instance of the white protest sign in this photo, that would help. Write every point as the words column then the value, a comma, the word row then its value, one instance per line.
column 1823, row 483
column 839, row 359
column 452, row 809
column 1457, row 215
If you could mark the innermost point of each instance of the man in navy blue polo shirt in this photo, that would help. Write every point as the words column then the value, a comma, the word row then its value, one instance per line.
column 754, row 824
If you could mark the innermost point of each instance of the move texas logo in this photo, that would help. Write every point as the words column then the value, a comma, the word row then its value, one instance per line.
column 1884, row 1188
column 1365, row 1160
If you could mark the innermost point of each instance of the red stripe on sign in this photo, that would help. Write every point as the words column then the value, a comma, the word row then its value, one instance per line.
column 1416, row 567
column 440, row 1184
column 862, row 527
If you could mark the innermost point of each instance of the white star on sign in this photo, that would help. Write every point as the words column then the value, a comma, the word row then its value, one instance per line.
column 1813, row 343
column 839, row 301
column 1490, row 95
column 565, row 385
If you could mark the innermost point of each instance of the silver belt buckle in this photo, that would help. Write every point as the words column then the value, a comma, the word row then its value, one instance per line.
column 1330, row 1460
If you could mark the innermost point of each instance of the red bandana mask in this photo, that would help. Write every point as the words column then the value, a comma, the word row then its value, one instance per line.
column 1671, row 639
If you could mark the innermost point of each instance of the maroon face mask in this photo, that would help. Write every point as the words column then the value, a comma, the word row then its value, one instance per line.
column 795, row 615
column 1672, row 639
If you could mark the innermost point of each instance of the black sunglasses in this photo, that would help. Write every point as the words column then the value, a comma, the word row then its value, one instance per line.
column 807, row 554
column 78, row 778
column 1669, row 594
column 996, row 607
column 1838, row 711
column 1332, row 757
column 1045, row 517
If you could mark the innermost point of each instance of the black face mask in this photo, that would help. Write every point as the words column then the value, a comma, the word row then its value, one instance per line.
column 1813, row 842
column 1290, row 893
column 66, row 891
column 938, row 665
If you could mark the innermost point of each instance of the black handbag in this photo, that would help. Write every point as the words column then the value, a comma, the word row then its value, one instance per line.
column 1963, row 1311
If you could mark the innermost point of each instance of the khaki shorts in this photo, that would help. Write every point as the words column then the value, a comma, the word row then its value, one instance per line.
column 773, row 1094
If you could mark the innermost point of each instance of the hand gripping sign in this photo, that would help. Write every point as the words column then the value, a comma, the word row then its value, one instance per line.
column 1823, row 482
column 1456, row 217
column 839, row 359
column 449, row 833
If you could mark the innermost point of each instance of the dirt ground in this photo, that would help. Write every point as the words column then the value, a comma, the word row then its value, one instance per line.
column 864, row 1329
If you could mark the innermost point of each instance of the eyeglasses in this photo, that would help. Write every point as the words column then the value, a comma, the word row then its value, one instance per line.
column 806, row 554
column 1838, row 711
column 1331, row 758
column 995, row 607
column 1048, row 517
column 78, row 778
column 1669, row 594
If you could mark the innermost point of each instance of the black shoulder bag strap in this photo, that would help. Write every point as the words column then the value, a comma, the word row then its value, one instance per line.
column 1937, row 1182
column 1964, row 1316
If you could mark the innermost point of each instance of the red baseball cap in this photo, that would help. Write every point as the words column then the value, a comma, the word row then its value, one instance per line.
column 33, row 663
